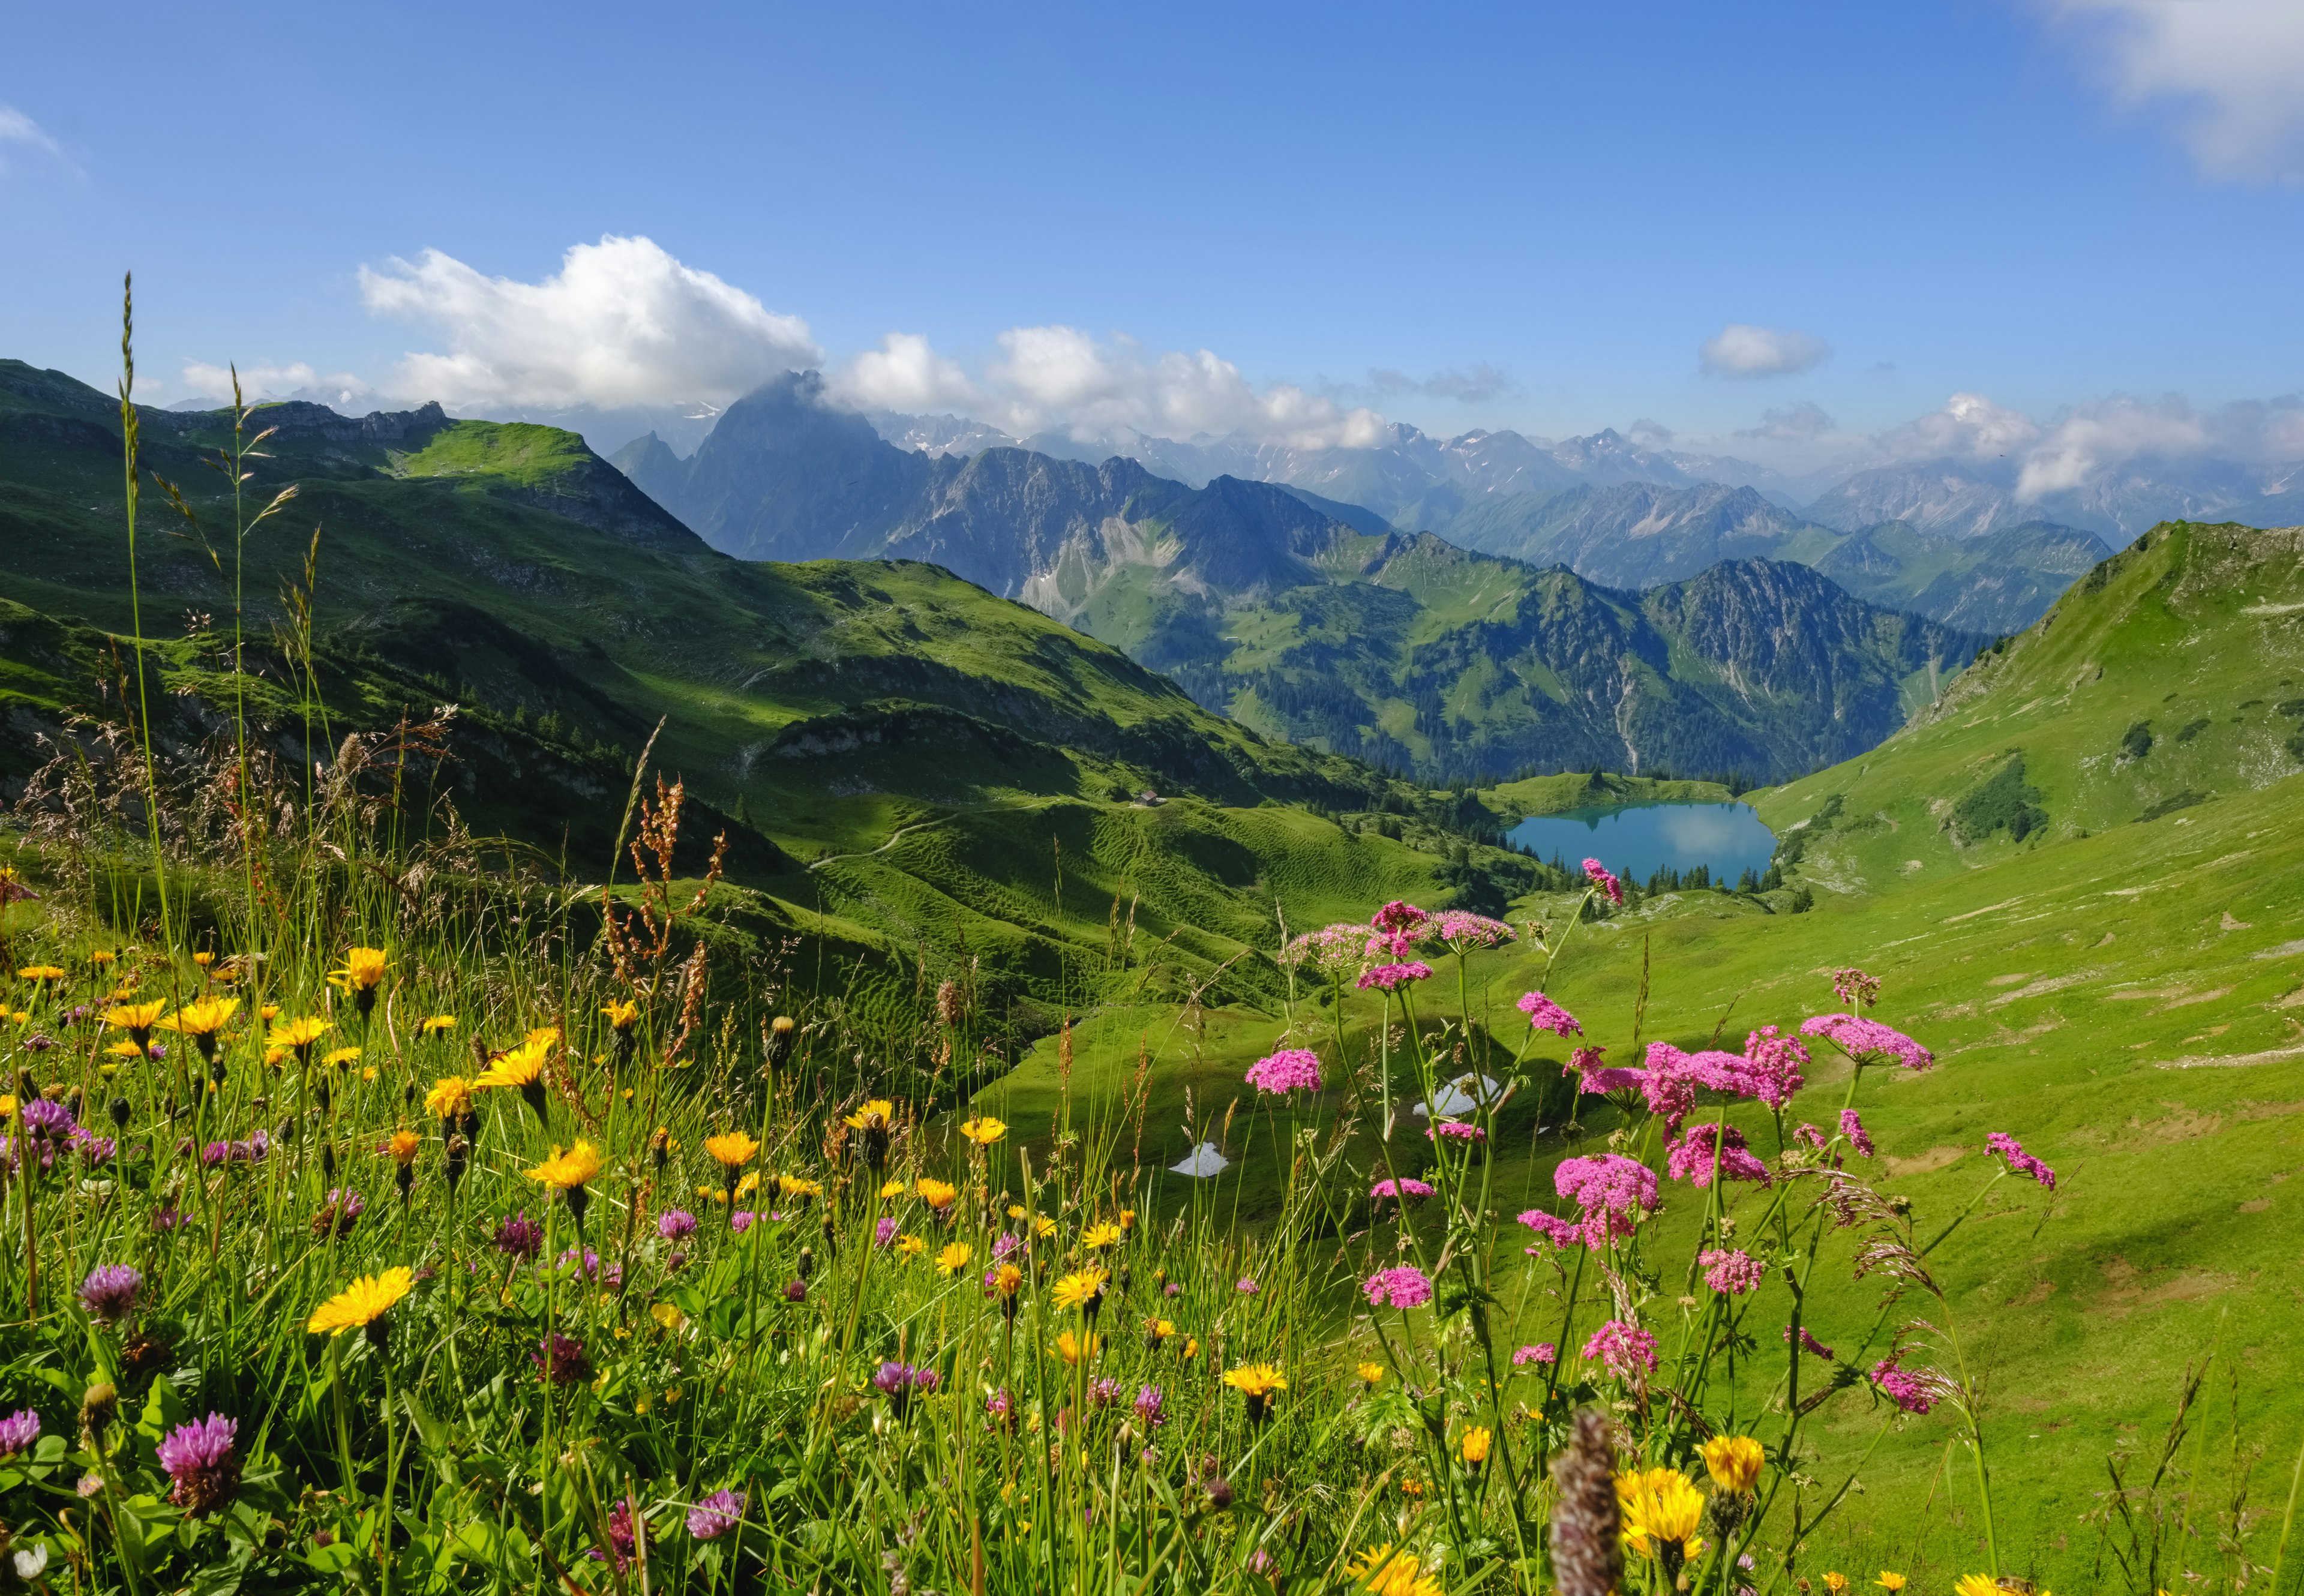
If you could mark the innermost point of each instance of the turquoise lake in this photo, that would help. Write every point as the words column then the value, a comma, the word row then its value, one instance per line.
column 1637, row 840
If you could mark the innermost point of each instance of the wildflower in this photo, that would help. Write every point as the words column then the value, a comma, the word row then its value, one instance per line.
column 1396, row 917
column 621, row 1016
column 1082, row 1289
column 1257, row 1383
column 435, row 1024
column 1661, row 1511
column 1852, row 1125
column 984, row 1131
column 884, row 1232
column 1044, row 1227
column 1460, row 930
column 1775, row 1063
column 1381, row 1571
column 875, row 1119
column 898, row 1381
column 1291, row 1069
column 1002, row 1281
column 1623, row 1350
column 202, row 1020
column 893, row 1188
column 1246, row 1286
column 1473, row 1446
column 361, row 1304
column 1405, row 1188
column 1853, row 985
column 1391, row 978
column 1977, row 1584
column 939, row 1195
column 137, row 1019
column 299, row 1035
column 1889, row 1581
column 1545, row 1015
column 1151, row 1410
column 566, row 1172
column 560, row 1360
column 336, row 1057
column 953, row 1258
column 1541, row 1352
column 362, row 973
column 1456, row 1130
column 1597, row 874
column 1809, row 1343
column 520, row 1236
column 1835, row 1581
column 1072, row 1348
column 1192, row 1347
column 403, row 1146
column 2018, row 1160
column 451, row 1098
column 1000, row 1407
column 520, row 1068
column 1097, row 1237
column 1731, row 1270
column 911, row 1246
column 1733, row 1461
column 1901, row 1386
column 1868, row 1041
column 624, row 1538
column 40, row 975
column 1613, row 1191
column 793, row 1186
column 588, row 1268
column 339, row 1213
column 716, row 1515
column 1335, row 951
column 198, row 1457
column 675, row 1223
column 795, row 1291
column 781, row 1031
column 1401, row 1287
column 94, row 1149
column 18, row 1432
column 110, row 1292
column 1708, row 1152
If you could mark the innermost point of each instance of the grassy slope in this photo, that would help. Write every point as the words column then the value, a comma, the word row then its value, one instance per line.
column 2126, row 998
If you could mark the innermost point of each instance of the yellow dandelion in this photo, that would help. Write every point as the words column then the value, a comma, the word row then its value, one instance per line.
column 1128, row 1218
column 547, row 1037
column 340, row 1056
column 1370, row 1374
column 877, row 1114
column 435, row 1024
column 1015, row 1211
column 937, row 1194
column 102, row 955
column 299, row 1034
column 1473, row 1448
column 1835, row 1581
column 1156, row 1330
column 1890, row 1581
column 911, row 1246
column 362, row 971
column 1080, row 1288
column 953, row 1258
column 124, row 1049
column 403, row 1146
column 732, row 1149
column 451, row 1098
column 204, row 1018
column 666, row 1314
column 984, row 1131
column 1105, row 1235
column 893, row 1188
column 1044, row 1227
column 1660, row 1504
column 1382, row 1571
column 137, row 1019
column 566, row 1171
column 1006, row 1279
column 267, row 1012
column 621, row 1016
column 1072, row 1347
column 362, row 1303
column 1733, row 1461
column 793, row 1185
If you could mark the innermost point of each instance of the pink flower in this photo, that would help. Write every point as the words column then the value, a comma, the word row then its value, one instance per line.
column 1396, row 916
column 1775, row 1063
column 1865, row 1038
column 1408, row 1187
column 1458, row 1129
column 1623, row 1349
column 1246, row 1286
column 1390, row 978
column 1291, row 1069
column 2019, row 1162
column 1708, row 1151
column 1852, row 1125
column 1668, row 1085
column 1460, row 930
column 1545, row 1015
column 1901, row 1386
column 1335, row 951
column 1732, row 1271
column 1613, row 1189
column 1543, row 1351
column 198, row 1457
column 1852, row 985
column 884, row 1232
column 1809, row 1343
column 1400, row 1287
column 1600, row 1082
column 1555, row 1229
column 1601, row 879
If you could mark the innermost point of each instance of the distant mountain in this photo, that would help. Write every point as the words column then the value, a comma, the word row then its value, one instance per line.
column 1967, row 499
column 1999, row 583
column 1638, row 534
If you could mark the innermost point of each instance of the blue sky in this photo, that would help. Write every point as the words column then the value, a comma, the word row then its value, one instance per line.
column 2044, row 204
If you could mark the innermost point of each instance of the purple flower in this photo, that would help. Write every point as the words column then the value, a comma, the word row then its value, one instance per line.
column 1776, row 1062
column 198, row 1457
column 1852, row 1125
column 1613, row 1189
column 1594, row 1077
column 741, row 1220
column 48, row 1119
column 1461, row 931
column 109, row 1293
column 1543, row 1351
column 1103, row 1392
column 1731, row 1270
column 897, row 1382
column 1809, row 1343
column 1390, row 978
column 18, row 1432
column 1000, row 1407
column 795, row 1291
column 1400, row 1287
column 623, row 1540
column 1396, row 917
column 1555, row 1229
column 1545, row 1015
column 1597, row 873
column 675, row 1223
column 1173, row 1288
column 2019, row 1162
column 1005, row 1245
column 1291, row 1069
column 884, row 1231
column 590, row 1269
column 42, row 1149
column 1150, row 1412
column 1456, row 1130
column 93, row 1150
column 1246, row 1286
column 1623, row 1349
column 716, row 1515
column 1407, row 1187
column 560, row 1360
column 1852, row 985
column 1901, row 1386
column 1706, row 1153
column 520, row 1236
column 1868, row 1040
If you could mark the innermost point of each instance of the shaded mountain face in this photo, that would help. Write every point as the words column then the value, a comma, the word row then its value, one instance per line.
column 1637, row 534
column 1997, row 583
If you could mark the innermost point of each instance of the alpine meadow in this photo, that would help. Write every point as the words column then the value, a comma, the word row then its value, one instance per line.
column 647, row 947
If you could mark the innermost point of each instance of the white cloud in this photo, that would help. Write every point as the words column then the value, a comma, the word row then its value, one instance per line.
column 622, row 324
column 2232, row 70
column 1802, row 424
column 1060, row 378
column 16, row 128
column 340, row 391
column 1968, row 427
column 1742, row 350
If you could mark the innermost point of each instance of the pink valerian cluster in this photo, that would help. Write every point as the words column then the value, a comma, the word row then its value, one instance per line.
column 1460, row 931
column 1852, row 1125
column 1674, row 1078
column 1866, row 1040
column 1337, row 952
column 1291, row 1069
column 1545, row 1015
column 716, row 1515
column 1901, row 1386
column 1815, row 1141
column 1390, row 978
column 1542, row 1351
column 1774, row 1063
column 1809, row 1343
column 1552, row 1227
column 1458, row 1130
column 1707, row 1151
column 2019, row 1162
column 1407, row 1188
column 1611, row 1189
column 1594, row 1077
column 199, row 1458
column 1623, row 1350
column 1852, row 985
column 1731, row 1270
column 1597, row 874
column 1397, row 918
column 1401, row 1287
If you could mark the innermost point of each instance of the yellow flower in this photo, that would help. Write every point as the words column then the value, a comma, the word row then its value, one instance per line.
column 437, row 1024
column 877, row 1115
column 1256, row 1379
column 544, row 1037
column 203, row 959
column 1100, row 1236
column 1660, row 1504
column 983, row 1130
column 1006, row 1279
column 623, row 1015
column 731, row 1149
column 204, row 1018
column 341, row 1056
column 362, row 971
column 953, row 1258
column 748, row 1185
column 1976, row 1585
column 363, row 1302
column 7, row 1104
column 299, row 1034
column 451, row 1098
column 102, row 955
column 1128, row 1218
column 1072, row 1348
column 521, row 1067
column 1044, row 1227
column 38, row 972
column 1835, row 1581
column 125, row 1048
column 136, row 1018
column 1080, row 1289
column 793, row 1185
column 267, row 1012
column 937, row 1194
column 896, row 1187
column 1371, row 1374
column 1474, row 1448
column 1015, row 1211
column 564, row 1171
column 1733, row 1461
column 1191, row 1346
column 1889, row 1581
column 403, row 1146
column 911, row 1246
column 1380, row 1571
column 668, row 1316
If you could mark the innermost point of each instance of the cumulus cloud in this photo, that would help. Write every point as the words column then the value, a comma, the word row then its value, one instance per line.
column 1742, row 350
column 623, row 323
column 1481, row 383
column 1646, row 430
column 1968, row 426
column 339, row 390
column 2231, row 71
column 1800, row 423
column 1061, row 378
